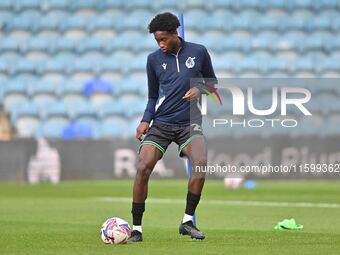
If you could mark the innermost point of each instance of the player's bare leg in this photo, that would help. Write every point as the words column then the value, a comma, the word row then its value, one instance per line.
column 196, row 152
column 148, row 157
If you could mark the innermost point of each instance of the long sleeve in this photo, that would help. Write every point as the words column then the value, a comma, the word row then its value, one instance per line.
column 153, row 87
column 207, row 72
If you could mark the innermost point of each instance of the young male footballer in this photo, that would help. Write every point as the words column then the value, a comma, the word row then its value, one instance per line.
column 172, row 109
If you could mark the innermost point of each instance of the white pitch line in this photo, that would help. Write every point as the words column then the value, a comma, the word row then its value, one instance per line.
column 223, row 202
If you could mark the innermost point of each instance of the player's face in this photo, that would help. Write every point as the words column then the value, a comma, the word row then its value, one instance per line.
column 166, row 41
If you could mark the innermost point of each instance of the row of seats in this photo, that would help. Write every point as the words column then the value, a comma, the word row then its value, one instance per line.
column 84, row 129
column 264, row 65
column 130, row 108
column 199, row 22
column 262, row 5
column 120, row 127
column 217, row 43
column 33, row 88
column 74, row 107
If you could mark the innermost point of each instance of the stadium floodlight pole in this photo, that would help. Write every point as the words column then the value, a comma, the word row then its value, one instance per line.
column 181, row 33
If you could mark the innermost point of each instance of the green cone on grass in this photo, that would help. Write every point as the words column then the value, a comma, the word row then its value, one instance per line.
column 288, row 224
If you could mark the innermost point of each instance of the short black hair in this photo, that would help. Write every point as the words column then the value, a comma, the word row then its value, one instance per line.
column 164, row 22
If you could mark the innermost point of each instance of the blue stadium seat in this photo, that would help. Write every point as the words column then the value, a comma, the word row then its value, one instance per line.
column 126, row 41
column 71, row 93
column 111, row 65
column 300, row 4
column 246, row 22
column 114, row 4
column 6, row 4
column 319, row 23
column 138, row 19
column 14, row 93
column 5, row 68
column 74, row 22
column 250, row 64
column 76, row 131
column 132, row 86
column 276, row 65
column 56, row 110
column 50, row 22
column 335, row 24
column 191, row 5
column 42, row 94
column 193, row 19
column 85, row 4
column 82, row 110
column 26, row 126
column 328, row 64
column 83, row 66
column 36, row 44
column 99, row 92
column 132, row 104
column 147, row 43
column 292, row 41
column 138, row 63
column 274, row 4
column 93, row 86
column 294, row 23
column 111, row 109
column 325, row 4
column 56, row 4
column 65, row 44
column 235, row 44
column 26, row 4
column 52, row 65
column 116, row 127
column 22, row 22
column 23, row 110
column 104, row 22
column 313, row 43
column 246, row 4
column 89, row 121
column 164, row 5
column 261, row 43
column 302, row 64
column 25, row 66
column 269, row 23
column 221, row 4
column 220, row 22
column 227, row 64
column 51, row 129
column 9, row 44
column 92, row 44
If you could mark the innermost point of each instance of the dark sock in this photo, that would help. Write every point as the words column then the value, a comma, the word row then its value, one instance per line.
column 137, row 213
column 192, row 202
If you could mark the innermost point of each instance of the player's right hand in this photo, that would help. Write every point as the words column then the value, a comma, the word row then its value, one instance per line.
column 142, row 129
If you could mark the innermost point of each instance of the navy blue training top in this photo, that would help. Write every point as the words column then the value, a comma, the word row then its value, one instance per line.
column 169, row 79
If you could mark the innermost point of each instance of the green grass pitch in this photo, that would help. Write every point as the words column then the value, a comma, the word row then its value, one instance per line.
column 66, row 218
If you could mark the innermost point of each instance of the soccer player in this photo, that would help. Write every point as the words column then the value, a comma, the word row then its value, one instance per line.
column 172, row 109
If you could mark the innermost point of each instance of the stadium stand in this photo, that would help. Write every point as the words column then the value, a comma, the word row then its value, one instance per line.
column 51, row 52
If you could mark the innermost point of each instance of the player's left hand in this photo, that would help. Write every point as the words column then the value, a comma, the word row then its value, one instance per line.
column 192, row 94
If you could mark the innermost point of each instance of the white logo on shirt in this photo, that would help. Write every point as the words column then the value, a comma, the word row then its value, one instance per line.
column 164, row 66
column 196, row 127
column 190, row 62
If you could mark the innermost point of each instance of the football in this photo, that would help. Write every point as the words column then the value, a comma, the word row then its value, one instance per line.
column 115, row 231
